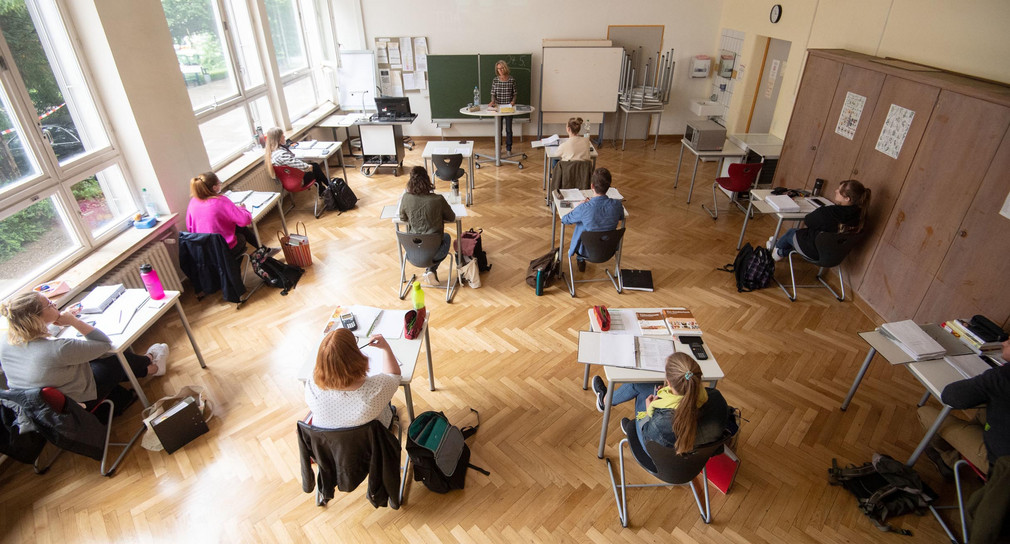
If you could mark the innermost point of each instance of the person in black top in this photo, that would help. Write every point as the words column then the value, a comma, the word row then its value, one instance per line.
column 847, row 215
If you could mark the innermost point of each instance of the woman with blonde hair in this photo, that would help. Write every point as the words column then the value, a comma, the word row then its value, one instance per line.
column 278, row 153
column 503, row 91
column 32, row 358
column 341, row 393
column 211, row 212
column 679, row 413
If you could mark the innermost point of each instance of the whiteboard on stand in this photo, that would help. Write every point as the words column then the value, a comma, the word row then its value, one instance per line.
column 356, row 80
column 580, row 79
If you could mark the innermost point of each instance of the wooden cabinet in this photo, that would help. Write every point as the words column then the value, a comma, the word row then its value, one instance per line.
column 935, row 245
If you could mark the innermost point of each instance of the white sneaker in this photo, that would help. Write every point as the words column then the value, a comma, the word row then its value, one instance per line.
column 431, row 279
column 776, row 255
column 159, row 357
column 770, row 244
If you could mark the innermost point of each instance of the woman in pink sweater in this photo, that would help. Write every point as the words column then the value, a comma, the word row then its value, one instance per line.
column 209, row 212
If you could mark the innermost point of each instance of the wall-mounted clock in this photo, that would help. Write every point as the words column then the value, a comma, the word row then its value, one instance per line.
column 776, row 13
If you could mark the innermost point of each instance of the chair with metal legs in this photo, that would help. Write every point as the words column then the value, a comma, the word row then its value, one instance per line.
column 599, row 247
column 832, row 247
column 741, row 180
column 419, row 250
column 667, row 465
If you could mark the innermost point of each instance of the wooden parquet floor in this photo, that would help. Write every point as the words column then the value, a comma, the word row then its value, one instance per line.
column 510, row 355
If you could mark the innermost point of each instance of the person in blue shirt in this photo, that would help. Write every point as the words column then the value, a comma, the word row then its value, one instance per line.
column 599, row 213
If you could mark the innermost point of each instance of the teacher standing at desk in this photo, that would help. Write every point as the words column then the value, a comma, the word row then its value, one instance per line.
column 503, row 91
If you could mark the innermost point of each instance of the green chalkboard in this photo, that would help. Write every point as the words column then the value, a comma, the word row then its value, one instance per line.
column 451, row 79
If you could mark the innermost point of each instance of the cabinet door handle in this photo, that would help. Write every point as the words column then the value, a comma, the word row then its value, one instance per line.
column 963, row 234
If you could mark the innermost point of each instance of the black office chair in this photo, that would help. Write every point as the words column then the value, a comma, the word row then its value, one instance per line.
column 667, row 465
column 419, row 250
column 832, row 247
column 338, row 454
column 600, row 247
column 447, row 169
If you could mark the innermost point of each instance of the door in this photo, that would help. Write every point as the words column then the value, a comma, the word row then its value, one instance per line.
column 847, row 124
column 973, row 275
column 881, row 172
column 820, row 77
column 768, row 87
column 954, row 155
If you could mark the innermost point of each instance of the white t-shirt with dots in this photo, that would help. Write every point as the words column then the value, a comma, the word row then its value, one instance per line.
column 332, row 409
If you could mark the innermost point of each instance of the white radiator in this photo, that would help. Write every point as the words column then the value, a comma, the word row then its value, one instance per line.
column 157, row 255
column 256, row 179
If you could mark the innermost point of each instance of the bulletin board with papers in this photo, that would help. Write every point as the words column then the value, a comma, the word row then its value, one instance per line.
column 402, row 63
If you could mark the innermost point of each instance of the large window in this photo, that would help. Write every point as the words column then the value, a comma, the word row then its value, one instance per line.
column 62, row 189
column 225, row 73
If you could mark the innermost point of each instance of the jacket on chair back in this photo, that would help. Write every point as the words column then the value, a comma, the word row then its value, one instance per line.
column 345, row 457
column 206, row 261
column 571, row 175
column 75, row 429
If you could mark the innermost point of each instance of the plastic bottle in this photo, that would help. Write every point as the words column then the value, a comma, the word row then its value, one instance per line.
column 152, row 282
column 418, row 296
column 540, row 282
column 476, row 96
column 149, row 206
column 585, row 128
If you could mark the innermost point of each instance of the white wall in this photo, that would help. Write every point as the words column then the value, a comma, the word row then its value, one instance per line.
column 519, row 26
column 138, row 81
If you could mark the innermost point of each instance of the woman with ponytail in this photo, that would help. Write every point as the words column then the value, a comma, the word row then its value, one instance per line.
column 680, row 413
column 848, row 214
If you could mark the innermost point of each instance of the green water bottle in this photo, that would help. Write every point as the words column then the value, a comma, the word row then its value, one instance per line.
column 418, row 296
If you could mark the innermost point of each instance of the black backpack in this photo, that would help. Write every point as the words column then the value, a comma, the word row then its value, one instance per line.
column 885, row 489
column 275, row 273
column 339, row 196
column 753, row 268
column 438, row 451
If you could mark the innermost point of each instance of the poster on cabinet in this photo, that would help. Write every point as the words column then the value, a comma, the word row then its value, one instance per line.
column 848, row 119
column 894, row 131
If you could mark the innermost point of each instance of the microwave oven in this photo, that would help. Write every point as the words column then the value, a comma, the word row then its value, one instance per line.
column 705, row 135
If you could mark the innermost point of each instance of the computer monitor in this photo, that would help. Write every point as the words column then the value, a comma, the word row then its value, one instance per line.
column 392, row 106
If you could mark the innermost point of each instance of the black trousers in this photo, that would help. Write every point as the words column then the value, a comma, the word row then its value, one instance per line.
column 317, row 175
column 507, row 124
column 109, row 373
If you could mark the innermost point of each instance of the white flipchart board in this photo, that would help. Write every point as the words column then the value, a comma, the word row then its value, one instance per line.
column 356, row 75
column 580, row 79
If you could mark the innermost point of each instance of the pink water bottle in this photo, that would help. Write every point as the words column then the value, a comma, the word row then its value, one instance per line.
column 152, row 282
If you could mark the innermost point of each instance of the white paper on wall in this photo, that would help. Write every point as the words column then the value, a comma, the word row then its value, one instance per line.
column 396, row 81
column 407, row 54
column 395, row 61
column 848, row 118
column 894, row 131
column 773, row 74
column 381, row 57
column 421, row 54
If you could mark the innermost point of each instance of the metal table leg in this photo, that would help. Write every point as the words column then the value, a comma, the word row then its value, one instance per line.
column 859, row 378
column 694, row 174
column 133, row 378
column 746, row 219
column 929, row 435
column 189, row 333
column 607, row 405
column 680, row 159
column 431, row 372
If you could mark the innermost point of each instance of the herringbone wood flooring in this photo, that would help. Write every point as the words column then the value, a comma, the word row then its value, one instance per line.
column 510, row 355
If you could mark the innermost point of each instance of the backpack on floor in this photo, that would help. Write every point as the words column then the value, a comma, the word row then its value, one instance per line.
column 439, row 452
column 471, row 247
column 273, row 272
column 339, row 196
column 885, row 489
column 549, row 266
column 753, row 268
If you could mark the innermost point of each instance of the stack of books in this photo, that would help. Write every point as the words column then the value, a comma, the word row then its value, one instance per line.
column 912, row 340
column 973, row 340
column 782, row 203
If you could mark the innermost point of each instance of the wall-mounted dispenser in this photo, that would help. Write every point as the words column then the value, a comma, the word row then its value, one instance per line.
column 700, row 65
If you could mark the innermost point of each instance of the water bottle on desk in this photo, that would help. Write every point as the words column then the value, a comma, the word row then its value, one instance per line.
column 152, row 282
column 476, row 96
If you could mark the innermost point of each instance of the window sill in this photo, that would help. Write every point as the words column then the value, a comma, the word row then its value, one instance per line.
column 237, row 168
column 83, row 273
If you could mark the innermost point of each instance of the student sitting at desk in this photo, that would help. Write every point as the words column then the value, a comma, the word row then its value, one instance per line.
column 210, row 212
column 599, row 213
column 575, row 148
column 278, row 153
column 848, row 214
column 503, row 91
column 425, row 211
column 341, row 394
column 679, row 412
column 31, row 357
column 984, row 441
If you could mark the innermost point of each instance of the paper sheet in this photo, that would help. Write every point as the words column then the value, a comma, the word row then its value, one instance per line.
column 848, row 118
column 652, row 352
column 375, row 359
column 390, row 324
column 571, row 194
column 894, row 131
column 421, row 54
column 617, row 350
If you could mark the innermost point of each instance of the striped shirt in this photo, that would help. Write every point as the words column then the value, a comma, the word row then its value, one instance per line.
column 503, row 92
column 282, row 156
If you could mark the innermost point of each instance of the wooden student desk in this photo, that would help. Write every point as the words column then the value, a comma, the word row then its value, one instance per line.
column 615, row 376
column 146, row 316
column 406, row 352
column 934, row 374
column 450, row 147
column 729, row 150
